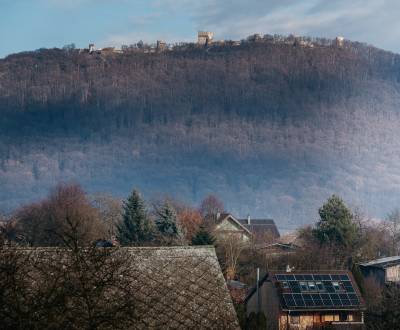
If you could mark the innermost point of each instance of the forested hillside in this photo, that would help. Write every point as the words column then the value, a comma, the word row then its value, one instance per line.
column 272, row 128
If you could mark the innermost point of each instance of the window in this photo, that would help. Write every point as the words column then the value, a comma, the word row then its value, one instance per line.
column 320, row 286
column 336, row 286
column 330, row 318
column 311, row 286
column 303, row 286
column 294, row 319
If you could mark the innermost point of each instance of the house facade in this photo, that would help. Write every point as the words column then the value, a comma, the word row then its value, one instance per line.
column 246, row 230
column 383, row 270
column 308, row 300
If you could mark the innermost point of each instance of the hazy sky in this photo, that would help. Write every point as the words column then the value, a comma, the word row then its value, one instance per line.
column 32, row 24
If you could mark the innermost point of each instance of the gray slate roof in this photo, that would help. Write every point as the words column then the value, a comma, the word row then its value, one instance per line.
column 261, row 226
column 187, row 286
column 175, row 287
column 382, row 262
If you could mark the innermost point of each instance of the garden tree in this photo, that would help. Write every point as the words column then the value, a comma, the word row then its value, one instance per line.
column 189, row 219
column 229, row 249
column 110, row 210
column 136, row 227
column 209, row 209
column 9, row 234
column 393, row 226
column 336, row 224
column 374, row 241
column 203, row 237
column 167, row 224
column 75, row 288
column 65, row 217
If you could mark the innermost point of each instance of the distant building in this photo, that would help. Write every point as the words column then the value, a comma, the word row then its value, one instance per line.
column 161, row 45
column 383, row 270
column 205, row 38
column 254, row 38
column 259, row 230
column 91, row 48
column 339, row 41
column 308, row 300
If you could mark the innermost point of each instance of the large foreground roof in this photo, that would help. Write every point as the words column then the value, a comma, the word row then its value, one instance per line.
column 174, row 287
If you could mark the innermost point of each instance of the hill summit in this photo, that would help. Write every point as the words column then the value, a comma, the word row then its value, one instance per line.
column 271, row 125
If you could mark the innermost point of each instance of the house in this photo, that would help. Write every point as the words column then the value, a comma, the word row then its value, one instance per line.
column 308, row 300
column 383, row 270
column 260, row 230
column 174, row 287
column 205, row 38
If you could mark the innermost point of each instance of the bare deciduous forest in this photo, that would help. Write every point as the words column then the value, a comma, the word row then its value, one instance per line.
column 273, row 128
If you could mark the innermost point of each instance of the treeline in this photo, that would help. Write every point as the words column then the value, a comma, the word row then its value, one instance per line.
column 69, row 218
column 65, row 92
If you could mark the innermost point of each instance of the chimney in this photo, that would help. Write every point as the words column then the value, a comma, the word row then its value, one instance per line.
column 248, row 219
column 218, row 215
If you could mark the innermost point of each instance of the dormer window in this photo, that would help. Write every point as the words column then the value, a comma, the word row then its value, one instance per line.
column 303, row 286
column 311, row 286
column 336, row 286
column 320, row 286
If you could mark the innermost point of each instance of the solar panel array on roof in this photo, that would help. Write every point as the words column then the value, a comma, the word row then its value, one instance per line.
column 328, row 291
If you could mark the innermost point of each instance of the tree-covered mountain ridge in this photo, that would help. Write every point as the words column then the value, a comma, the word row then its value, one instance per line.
column 272, row 127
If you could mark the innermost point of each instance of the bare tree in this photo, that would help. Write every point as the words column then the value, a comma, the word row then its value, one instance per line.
column 393, row 226
column 65, row 217
column 110, row 210
column 230, row 247
column 210, row 207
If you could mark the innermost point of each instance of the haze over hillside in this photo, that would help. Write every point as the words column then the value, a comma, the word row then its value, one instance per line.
column 272, row 127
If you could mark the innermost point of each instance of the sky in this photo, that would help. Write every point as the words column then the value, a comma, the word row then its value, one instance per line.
column 33, row 24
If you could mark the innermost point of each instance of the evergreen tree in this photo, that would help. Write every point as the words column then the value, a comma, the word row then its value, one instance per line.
column 167, row 222
column 203, row 237
column 336, row 223
column 135, row 228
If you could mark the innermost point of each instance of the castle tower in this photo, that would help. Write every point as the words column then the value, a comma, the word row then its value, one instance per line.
column 204, row 38
column 339, row 42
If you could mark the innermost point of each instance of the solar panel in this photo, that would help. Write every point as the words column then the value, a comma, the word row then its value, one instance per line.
column 289, row 300
column 319, row 290
column 298, row 298
column 348, row 286
column 308, row 300
column 280, row 277
column 344, row 277
column 317, row 299
column 294, row 286
column 354, row 299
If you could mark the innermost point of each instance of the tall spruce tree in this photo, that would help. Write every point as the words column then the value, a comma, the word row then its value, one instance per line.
column 135, row 228
column 336, row 223
column 167, row 222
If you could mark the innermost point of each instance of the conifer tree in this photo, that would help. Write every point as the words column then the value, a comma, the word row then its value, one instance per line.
column 336, row 223
column 135, row 228
column 203, row 237
column 167, row 222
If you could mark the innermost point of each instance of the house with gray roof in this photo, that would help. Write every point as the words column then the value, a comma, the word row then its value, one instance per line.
column 258, row 230
column 383, row 270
